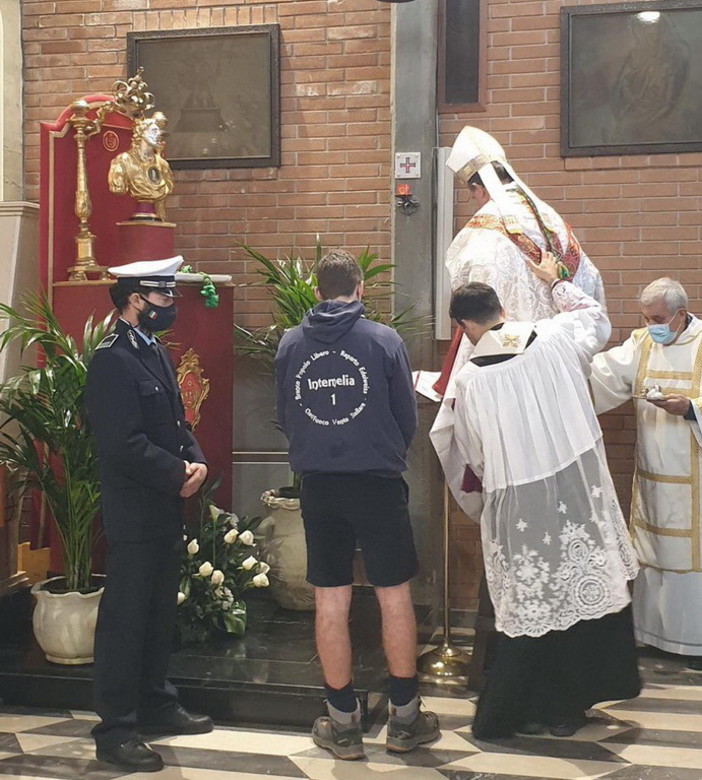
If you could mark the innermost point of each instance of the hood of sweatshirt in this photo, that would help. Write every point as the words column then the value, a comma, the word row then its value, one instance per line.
column 330, row 320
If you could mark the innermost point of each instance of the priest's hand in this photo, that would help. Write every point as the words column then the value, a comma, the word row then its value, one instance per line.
column 547, row 269
column 673, row 404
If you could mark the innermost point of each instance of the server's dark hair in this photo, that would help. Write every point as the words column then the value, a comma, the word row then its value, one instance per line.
column 476, row 302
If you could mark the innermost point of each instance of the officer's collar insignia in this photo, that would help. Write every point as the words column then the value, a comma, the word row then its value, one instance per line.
column 131, row 335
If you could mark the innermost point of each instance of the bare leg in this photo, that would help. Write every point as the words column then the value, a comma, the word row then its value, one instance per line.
column 332, row 634
column 399, row 629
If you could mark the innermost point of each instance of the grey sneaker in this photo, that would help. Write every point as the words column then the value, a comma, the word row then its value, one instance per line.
column 405, row 734
column 343, row 737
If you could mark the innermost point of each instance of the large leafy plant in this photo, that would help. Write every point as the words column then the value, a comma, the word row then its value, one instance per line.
column 220, row 563
column 45, row 438
column 291, row 282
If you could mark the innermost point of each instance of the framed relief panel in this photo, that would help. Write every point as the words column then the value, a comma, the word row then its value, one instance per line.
column 631, row 78
column 219, row 88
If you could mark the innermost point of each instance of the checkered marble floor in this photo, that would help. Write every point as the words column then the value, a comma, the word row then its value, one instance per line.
column 655, row 737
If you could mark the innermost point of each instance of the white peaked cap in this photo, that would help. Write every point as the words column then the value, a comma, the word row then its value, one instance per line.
column 167, row 267
column 156, row 274
column 473, row 152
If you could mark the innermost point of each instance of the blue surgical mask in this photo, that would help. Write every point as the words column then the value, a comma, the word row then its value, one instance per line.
column 662, row 334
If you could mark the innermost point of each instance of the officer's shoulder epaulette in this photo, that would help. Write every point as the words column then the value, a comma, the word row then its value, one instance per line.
column 108, row 341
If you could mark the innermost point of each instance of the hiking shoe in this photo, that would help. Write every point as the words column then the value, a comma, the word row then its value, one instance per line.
column 344, row 740
column 405, row 734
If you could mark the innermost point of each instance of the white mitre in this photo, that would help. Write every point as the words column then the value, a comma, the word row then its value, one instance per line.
column 473, row 152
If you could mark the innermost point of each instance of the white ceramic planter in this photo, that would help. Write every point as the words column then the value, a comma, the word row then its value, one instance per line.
column 64, row 624
column 283, row 548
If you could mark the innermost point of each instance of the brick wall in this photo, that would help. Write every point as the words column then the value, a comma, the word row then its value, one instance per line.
column 637, row 216
column 335, row 119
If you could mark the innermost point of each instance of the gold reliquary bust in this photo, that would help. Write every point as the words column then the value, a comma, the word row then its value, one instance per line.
column 141, row 171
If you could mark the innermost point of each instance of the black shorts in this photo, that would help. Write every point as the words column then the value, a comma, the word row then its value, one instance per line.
column 341, row 509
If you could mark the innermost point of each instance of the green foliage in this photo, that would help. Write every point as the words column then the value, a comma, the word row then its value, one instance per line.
column 292, row 282
column 213, row 578
column 45, row 438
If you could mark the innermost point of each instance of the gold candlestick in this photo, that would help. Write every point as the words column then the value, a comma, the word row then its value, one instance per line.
column 445, row 664
column 85, row 257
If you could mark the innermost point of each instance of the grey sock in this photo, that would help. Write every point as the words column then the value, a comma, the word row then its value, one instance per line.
column 407, row 712
column 345, row 718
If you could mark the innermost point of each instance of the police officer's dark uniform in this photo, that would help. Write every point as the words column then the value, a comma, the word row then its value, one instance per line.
column 142, row 438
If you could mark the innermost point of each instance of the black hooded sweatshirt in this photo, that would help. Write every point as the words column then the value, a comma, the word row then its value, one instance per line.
column 345, row 395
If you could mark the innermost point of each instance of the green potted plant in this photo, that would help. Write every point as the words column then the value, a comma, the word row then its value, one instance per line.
column 45, row 443
column 291, row 282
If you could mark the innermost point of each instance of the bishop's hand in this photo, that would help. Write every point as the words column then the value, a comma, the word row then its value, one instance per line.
column 547, row 269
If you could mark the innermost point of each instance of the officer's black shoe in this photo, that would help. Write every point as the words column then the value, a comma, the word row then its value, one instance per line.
column 134, row 756
column 175, row 721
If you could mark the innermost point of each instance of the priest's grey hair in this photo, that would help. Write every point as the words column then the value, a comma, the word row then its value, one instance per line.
column 668, row 290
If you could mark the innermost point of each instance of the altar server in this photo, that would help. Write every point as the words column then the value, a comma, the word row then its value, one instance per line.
column 555, row 545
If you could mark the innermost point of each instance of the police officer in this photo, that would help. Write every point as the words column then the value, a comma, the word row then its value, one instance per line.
column 149, row 462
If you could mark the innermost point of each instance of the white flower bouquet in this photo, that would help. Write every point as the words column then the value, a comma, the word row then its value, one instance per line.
column 220, row 563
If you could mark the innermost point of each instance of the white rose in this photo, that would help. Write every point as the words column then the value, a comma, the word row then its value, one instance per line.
column 247, row 538
column 217, row 577
column 206, row 569
column 260, row 581
column 249, row 563
column 215, row 512
column 263, row 567
column 193, row 547
column 230, row 536
column 181, row 597
column 234, row 520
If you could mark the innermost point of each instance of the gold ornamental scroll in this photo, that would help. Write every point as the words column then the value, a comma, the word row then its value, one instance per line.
column 194, row 387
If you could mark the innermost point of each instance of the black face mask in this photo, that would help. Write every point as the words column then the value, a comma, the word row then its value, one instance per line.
column 156, row 318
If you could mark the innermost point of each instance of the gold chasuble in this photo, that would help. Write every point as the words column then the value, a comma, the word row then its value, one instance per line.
column 665, row 509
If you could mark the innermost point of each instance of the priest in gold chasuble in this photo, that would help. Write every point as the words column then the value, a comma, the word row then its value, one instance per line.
column 660, row 367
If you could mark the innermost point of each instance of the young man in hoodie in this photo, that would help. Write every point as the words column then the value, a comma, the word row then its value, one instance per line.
column 346, row 403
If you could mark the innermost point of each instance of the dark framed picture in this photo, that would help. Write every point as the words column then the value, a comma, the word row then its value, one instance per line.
column 462, row 56
column 631, row 78
column 219, row 89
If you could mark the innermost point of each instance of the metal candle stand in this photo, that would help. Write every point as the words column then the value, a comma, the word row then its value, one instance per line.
column 446, row 664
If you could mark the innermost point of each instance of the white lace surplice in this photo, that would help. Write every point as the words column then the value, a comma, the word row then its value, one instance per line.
column 554, row 540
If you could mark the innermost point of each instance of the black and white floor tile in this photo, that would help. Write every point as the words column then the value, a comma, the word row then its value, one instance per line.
column 655, row 737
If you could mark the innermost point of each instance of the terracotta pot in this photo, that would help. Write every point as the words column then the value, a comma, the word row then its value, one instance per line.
column 283, row 549
column 64, row 623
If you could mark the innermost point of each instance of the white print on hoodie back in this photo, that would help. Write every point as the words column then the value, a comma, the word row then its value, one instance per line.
column 327, row 395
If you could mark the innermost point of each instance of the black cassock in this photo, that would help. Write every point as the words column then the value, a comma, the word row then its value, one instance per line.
column 138, row 420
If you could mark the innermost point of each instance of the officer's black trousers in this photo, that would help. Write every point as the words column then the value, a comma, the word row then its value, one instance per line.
column 134, row 636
